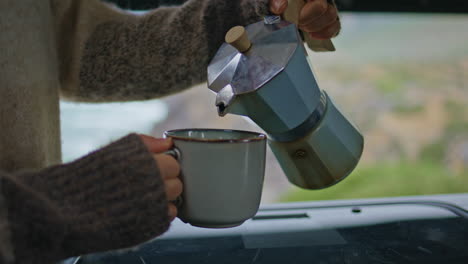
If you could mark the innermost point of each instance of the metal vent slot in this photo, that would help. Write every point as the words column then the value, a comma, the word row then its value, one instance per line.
column 280, row 216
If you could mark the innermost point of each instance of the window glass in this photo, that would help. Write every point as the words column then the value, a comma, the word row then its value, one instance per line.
column 86, row 127
column 402, row 79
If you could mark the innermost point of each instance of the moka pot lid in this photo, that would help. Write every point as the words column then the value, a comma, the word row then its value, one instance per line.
column 272, row 47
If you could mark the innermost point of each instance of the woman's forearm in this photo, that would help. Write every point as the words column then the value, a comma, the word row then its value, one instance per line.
column 134, row 57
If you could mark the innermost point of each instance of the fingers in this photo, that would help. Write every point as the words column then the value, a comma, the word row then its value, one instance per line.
column 168, row 166
column 317, row 15
column 172, row 211
column 156, row 145
column 170, row 170
column 312, row 10
column 328, row 32
column 320, row 18
column 173, row 189
column 278, row 7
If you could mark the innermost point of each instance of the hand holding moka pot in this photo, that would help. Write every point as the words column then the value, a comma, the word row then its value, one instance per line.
column 292, row 15
column 262, row 72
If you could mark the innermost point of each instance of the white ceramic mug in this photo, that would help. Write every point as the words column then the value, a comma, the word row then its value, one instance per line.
column 222, row 172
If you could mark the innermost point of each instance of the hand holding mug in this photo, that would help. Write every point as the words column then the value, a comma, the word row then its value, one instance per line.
column 222, row 172
column 168, row 167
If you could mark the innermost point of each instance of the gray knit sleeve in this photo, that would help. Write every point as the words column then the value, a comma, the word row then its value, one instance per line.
column 113, row 198
column 158, row 53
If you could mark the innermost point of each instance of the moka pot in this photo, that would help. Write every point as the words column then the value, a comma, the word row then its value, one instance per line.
column 262, row 72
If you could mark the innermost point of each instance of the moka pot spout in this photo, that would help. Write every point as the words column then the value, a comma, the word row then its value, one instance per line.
column 224, row 99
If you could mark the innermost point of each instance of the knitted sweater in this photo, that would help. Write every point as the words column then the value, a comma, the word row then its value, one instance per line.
column 86, row 50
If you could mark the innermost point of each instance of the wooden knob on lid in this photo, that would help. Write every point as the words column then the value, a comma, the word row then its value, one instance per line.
column 238, row 38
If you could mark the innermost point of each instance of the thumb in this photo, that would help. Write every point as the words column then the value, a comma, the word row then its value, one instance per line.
column 278, row 7
column 156, row 145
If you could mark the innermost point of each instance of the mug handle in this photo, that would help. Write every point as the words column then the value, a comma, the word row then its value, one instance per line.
column 175, row 153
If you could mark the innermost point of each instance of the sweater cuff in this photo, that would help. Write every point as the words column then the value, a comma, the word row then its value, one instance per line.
column 262, row 8
column 110, row 199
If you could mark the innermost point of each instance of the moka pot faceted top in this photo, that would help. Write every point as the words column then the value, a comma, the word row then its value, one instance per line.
column 272, row 47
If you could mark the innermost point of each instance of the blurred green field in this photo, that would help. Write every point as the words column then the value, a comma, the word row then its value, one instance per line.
column 387, row 180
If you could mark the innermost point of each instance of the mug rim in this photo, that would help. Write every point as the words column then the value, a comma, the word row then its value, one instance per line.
column 257, row 136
